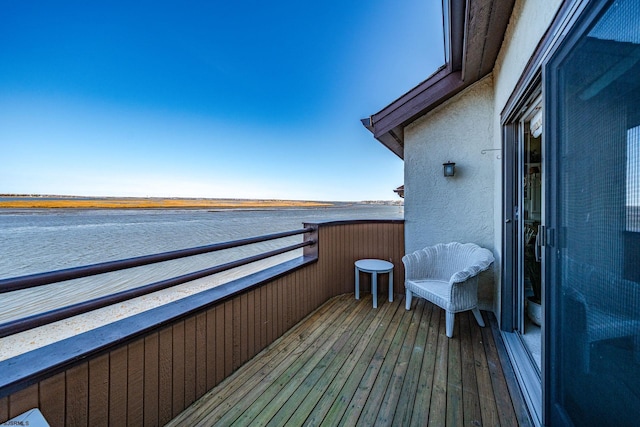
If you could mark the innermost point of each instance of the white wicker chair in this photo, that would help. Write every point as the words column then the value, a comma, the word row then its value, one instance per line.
column 446, row 275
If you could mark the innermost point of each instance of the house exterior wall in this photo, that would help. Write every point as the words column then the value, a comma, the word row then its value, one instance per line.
column 468, row 207
column 459, row 208
column 529, row 21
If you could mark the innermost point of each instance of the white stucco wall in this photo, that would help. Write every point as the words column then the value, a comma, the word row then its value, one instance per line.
column 459, row 208
column 528, row 24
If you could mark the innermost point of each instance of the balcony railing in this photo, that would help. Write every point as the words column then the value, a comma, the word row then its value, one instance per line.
column 36, row 280
column 147, row 368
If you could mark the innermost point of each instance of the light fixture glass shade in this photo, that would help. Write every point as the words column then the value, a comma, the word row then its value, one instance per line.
column 449, row 168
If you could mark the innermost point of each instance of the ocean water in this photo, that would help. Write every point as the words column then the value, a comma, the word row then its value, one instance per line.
column 36, row 241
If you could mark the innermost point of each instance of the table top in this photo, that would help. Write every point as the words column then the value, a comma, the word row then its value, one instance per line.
column 374, row 264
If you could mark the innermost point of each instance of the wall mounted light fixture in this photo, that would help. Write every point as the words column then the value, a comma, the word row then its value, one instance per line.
column 449, row 169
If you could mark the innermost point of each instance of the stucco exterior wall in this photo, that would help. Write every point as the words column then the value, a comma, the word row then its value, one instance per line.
column 528, row 24
column 459, row 208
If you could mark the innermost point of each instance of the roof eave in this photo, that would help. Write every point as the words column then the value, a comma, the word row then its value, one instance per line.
column 476, row 26
column 392, row 140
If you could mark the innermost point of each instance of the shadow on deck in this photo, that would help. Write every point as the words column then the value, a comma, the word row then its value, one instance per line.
column 348, row 364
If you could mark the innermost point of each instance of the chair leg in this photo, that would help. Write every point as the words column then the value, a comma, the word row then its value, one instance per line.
column 478, row 316
column 450, row 321
column 408, row 299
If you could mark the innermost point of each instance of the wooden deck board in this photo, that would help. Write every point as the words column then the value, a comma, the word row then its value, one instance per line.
column 359, row 391
column 400, row 372
column 422, row 401
column 311, row 388
column 374, row 398
column 239, row 384
column 454, row 380
column 249, row 388
column 307, row 368
column 404, row 408
column 470, row 399
column 486, row 393
column 326, row 398
column 350, row 364
column 437, row 410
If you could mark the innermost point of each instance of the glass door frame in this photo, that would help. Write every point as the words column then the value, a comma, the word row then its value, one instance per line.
column 512, row 288
column 532, row 105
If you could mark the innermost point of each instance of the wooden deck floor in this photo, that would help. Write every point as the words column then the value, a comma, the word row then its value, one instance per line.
column 350, row 364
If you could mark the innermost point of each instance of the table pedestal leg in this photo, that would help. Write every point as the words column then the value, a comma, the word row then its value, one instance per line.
column 374, row 289
column 357, row 283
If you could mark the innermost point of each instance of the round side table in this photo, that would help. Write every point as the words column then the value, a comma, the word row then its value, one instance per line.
column 374, row 266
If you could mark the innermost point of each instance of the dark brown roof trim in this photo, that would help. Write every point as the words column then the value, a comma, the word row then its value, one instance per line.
column 427, row 95
column 473, row 40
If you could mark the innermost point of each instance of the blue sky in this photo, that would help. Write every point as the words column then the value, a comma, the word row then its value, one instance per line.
column 244, row 99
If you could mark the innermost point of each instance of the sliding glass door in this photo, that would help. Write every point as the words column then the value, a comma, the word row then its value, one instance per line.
column 592, row 88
